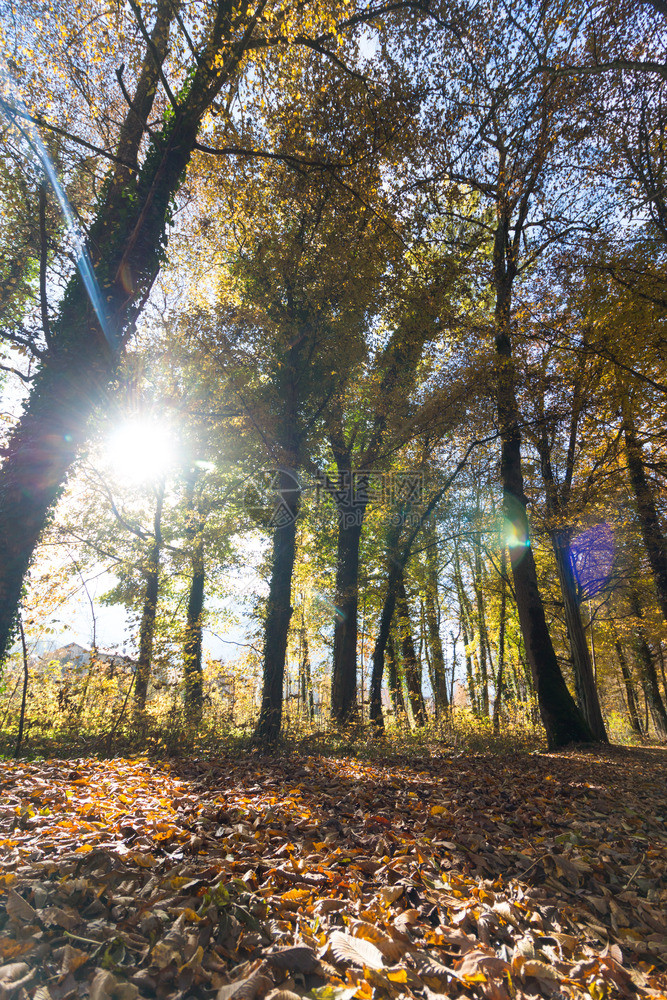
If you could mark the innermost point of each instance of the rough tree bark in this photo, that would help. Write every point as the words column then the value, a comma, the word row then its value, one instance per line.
column 478, row 586
column 584, row 675
column 193, row 693
column 647, row 669
column 395, row 682
column 344, row 674
column 633, row 711
column 410, row 661
column 381, row 641
column 433, row 624
column 562, row 719
column 384, row 628
column 500, row 679
column 557, row 501
column 278, row 613
column 652, row 534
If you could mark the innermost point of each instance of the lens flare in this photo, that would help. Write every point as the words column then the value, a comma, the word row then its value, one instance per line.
column 592, row 556
column 141, row 451
column 13, row 108
column 515, row 528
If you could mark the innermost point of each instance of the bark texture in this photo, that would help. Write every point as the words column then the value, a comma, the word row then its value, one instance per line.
column 432, row 609
column 278, row 616
column 633, row 711
column 647, row 670
column 379, row 650
column 411, row 663
column 584, row 675
column 562, row 719
column 192, row 647
column 652, row 533
column 344, row 675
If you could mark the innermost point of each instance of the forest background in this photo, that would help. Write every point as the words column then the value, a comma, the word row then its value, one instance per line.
column 333, row 338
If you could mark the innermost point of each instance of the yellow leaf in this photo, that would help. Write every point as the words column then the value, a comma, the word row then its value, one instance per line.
column 364, row 992
column 437, row 810
column 296, row 896
column 397, row 976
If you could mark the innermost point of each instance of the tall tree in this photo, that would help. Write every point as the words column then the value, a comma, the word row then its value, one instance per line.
column 123, row 249
column 516, row 117
column 289, row 330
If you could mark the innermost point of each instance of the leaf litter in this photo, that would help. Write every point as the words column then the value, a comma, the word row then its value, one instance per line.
column 493, row 877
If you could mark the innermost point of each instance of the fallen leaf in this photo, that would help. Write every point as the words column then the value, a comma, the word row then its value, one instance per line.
column 356, row 950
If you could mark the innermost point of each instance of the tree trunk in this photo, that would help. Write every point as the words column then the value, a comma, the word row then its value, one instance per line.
column 395, row 682
column 587, row 693
column 454, row 665
column 497, row 704
column 193, row 686
column 633, row 712
column 149, row 610
column 483, row 643
column 440, row 698
column 125, row 242
column 411, row 663
column 344, row 675
column 278, row 615
column 647, row 670
column 661, row 657
column 24, row 694
column 652, row 534
column 562, row 719
column 305, row 678
column 381, row 641
column 192, row 647
column 397, row 559
column 467, row 636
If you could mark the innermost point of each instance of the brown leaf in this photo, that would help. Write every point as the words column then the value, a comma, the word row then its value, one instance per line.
column 390, row 893
column 56, row 915
column 14, row 949
column 391, row 949
column 105, row 986
column 248, row 988
column 73, row 959
column 480, row 961
column 525, row 967
column 19, row 909
column 331, row 905
column 298, row 959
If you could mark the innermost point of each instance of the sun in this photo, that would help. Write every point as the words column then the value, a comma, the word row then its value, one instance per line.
column 141, row 451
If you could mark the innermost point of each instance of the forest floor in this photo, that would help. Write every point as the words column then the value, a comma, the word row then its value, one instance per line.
column 247, row 876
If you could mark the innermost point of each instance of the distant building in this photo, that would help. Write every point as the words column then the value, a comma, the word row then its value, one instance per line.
column 78, row 657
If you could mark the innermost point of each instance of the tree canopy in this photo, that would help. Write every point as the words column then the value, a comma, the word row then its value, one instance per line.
column 376, row 294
